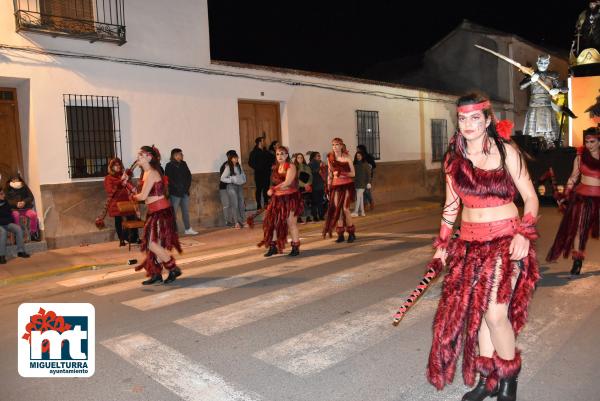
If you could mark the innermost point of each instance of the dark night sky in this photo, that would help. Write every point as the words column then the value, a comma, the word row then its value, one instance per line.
column 349, row 37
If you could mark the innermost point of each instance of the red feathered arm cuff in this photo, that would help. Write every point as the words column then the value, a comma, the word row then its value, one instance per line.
column 443, row 239
column 527, row 227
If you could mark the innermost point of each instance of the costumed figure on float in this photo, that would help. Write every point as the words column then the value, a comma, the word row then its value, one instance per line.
column 284, row 207
column 540, row 120
column 582, row 195
column 159, row 234
column 341, row 192
column 492, row 265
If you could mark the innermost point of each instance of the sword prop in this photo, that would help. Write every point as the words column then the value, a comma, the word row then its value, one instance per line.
column 433, row 269
column 529, row 71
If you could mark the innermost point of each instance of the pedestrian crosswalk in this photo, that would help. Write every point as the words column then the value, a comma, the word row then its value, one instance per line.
column 234, row 315
column 305, row 351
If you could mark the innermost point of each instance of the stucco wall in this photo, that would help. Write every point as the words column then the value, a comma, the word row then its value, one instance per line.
column 196, row 111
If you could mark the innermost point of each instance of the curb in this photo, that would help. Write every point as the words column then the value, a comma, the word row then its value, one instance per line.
column 40, row 275
column 71, row 269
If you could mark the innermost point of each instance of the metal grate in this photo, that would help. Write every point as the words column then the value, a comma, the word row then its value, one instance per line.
column 93, row 133
column 102, row 20
column 367, row 123
column 439, row 139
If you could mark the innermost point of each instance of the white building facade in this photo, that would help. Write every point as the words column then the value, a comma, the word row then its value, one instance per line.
column 105, row 89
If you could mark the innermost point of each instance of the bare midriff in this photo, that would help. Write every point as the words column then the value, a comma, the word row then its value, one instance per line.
column 587, row 180
column 487, row 214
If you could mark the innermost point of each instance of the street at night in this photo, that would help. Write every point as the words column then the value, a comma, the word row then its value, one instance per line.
column 238, row 326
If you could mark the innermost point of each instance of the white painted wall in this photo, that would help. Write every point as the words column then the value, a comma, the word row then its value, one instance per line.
column 174, row 32
column 192, row 110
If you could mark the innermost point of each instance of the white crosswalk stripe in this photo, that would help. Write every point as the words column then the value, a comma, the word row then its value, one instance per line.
column 288, row 265
column 256, row 256
column 188, row 379
column 111, row 275
column 331, row 343
column 240, row 313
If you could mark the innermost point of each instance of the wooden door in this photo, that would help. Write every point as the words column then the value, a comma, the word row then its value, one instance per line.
column 257, row 119
column 11, row 160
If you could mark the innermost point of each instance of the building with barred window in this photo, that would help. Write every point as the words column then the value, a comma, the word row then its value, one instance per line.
column 82, row 81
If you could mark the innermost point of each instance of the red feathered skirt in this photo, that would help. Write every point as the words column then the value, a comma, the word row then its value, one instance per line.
column 276, row 216
column 580, row 219
column 473, row 266
column 340, row 197
column 159, row 228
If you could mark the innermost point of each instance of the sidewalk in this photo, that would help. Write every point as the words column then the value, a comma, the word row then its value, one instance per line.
column 109, row 254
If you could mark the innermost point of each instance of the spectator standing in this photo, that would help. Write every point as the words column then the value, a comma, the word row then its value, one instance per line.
column 227, row 215
column 180, row 180
column 319, row 178
column 7, row 225
column 21, row 201
column 116, row 192
column 261, row 161
column 371, row 160
column 362, row 181
column 235, row 178
column 304, row 184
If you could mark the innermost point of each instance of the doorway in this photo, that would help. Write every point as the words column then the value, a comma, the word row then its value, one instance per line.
column 11, row 159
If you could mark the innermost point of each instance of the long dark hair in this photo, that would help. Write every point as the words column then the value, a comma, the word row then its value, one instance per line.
column 458, row 144
column 231, row 155
column 364, row 157
column 155, row 162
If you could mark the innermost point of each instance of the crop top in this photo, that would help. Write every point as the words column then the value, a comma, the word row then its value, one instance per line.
column 343, row 168
column 479, row 188
column 278, row 178
column 158, row 189
column 589, row 166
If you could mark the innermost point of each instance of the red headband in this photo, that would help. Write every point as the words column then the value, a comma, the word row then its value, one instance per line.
column 474, row 107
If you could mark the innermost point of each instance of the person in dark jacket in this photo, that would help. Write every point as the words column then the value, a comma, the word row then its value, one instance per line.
column 319, row 174
column 7, row 225
column 261, row 161
column 20, row 199
column 368, row 196
column 180, row 180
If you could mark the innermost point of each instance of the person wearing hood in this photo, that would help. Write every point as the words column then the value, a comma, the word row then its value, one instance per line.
column 116, row 192
column 6, row 226
column 180, row 180
column 20, row 199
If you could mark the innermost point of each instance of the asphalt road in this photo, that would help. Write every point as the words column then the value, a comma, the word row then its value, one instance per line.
column 238, row 326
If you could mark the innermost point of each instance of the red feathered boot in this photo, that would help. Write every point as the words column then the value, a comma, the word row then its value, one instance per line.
column 507, row 372
column 174, row 271
column 272, row 249
column 488, row 380
column 351, row 230
column 295, row 249
column 340, row 232
column 578, row 257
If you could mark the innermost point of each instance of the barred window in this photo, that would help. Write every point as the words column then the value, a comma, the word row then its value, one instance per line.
column 367, row 123
column 439, row 139
column 93, row 133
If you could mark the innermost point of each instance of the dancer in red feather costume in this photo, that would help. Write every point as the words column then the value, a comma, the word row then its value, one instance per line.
column 340, row 185
column 160, row 235
column 492, row 264
column 284, row 207
column 582, row 217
